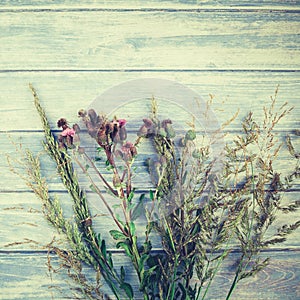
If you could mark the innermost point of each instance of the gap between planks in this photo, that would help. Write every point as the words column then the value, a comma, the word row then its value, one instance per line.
column 166, row 9
column 212, row 70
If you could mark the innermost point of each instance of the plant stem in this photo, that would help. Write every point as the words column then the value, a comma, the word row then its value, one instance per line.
column 240, row 266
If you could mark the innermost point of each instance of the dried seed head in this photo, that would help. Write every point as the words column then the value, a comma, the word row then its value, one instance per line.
column 164, row 123
column 93, row 116
column 123, row 133
column 76, row 128
column 82, row 113
column 148, row 123
column 142, row 131
column 62, row 123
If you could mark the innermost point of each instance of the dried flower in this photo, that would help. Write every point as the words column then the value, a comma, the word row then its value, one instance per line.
column 62, row 123
column 122, row 122
column 242, row 203
column 68, row 132
column 128, row 151
column 68, row 138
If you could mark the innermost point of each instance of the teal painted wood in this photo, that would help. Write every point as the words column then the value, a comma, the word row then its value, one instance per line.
column 64, row 93
column 160, row 40
column 24, row 276
column 33, row 141
column 237, row 51
column 24, row 227
column 152, row 3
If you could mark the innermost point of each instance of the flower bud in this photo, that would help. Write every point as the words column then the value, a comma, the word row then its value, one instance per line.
column 123, row 133
column 93, row 116
column 190, row 135
column 162, row 132
column 76, row 128
column 165, row 122
column 142, row 131
column 62, row 122
column 148, row 122
column 170, row 130
column 82, row 113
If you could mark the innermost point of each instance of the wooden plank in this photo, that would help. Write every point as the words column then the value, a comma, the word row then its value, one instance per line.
column 24, row 227
column 33, row 141
column 25, row 276
column 64, row 93
column 138, row 4
column 148, row 40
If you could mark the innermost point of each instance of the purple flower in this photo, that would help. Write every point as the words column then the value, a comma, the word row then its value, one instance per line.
column 122, row 122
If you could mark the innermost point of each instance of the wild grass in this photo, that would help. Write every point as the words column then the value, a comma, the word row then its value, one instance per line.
column 199, row 215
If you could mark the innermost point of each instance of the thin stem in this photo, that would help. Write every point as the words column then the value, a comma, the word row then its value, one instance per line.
column 100, row 175
column 99, row 193
column 240, row 266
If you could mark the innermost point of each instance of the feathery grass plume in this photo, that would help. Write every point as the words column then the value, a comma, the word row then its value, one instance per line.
column 199, row 215
column 258, row 149
column 94, row 244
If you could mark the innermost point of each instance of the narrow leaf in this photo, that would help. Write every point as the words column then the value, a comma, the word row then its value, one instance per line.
column 117, row 235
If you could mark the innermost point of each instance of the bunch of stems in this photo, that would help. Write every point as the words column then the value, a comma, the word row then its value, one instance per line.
column 199, row 215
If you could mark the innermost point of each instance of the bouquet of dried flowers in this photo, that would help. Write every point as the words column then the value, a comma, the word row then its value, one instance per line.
column 199, row 215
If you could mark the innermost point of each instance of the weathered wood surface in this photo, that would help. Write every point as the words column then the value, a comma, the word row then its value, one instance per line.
column 154, row 4
column 64, row 93
column 29, row 272
column 238, row 51
column 149, row 40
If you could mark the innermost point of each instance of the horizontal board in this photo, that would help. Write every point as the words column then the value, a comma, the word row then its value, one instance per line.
column 149, row 40
column 64, row 93
column 24, row 226
column 178, row 4
column 25, row 276
column 284, row 164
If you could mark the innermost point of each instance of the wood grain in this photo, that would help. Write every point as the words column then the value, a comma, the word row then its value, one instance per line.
column 24, row 227
column 154, row 4
column 237, row 51
column 149, row 40
column 25, row 276
column 64, row 93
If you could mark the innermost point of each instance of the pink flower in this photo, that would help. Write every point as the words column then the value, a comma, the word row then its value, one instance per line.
column 68, row 132
column 122, row 122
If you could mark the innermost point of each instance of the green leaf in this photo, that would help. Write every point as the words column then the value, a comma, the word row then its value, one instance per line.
column 109, row 168
column 126, row 248
column 130, row 196
column 128, row 289
column 184, row 295
column 119, row 218
column 122, row 273
column 132, row 228
column 142, row 261
column 147, row 276
column 103, row 249
column 117, row 235
column 151, row 193
column 98, row 239
column 138, row 209
column 92, row 188
column 110, row 261
column 116, row 206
